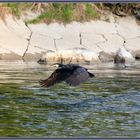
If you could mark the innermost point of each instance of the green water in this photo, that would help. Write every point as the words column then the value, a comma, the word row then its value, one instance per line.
column 105, row 106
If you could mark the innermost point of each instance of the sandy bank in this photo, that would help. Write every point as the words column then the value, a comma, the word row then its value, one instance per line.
column 81, row 42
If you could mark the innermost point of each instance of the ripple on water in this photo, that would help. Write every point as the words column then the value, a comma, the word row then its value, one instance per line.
column 105, row 106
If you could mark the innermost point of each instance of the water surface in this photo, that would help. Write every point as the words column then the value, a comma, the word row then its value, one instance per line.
column 105, row 106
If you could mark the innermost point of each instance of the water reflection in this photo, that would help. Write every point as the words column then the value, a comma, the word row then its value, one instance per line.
column 105, row 106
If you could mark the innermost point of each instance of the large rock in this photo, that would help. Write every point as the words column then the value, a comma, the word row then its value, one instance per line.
column 124, row 57
column 74, row 55
column 136, row 54
column 106, row 57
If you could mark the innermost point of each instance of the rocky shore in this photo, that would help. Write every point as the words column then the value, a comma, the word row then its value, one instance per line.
column 92, row 42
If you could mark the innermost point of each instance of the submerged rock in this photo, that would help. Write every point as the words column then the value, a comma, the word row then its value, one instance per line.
column 124, row 57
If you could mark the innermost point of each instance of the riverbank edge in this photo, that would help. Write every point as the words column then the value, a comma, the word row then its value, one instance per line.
column 84, row 43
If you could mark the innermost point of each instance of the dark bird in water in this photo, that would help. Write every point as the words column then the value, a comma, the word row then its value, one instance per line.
column 72, row 74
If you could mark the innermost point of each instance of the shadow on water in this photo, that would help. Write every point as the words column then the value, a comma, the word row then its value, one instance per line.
column 105, row 106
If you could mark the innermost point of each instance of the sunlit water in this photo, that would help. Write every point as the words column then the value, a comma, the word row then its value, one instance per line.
column 105, row 106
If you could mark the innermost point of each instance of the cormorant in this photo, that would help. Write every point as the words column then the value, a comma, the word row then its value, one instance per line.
column 72, row 74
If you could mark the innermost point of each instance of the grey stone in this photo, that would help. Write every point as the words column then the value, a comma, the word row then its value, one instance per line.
column 106, row 57
column 123, row 57
column 136, row 54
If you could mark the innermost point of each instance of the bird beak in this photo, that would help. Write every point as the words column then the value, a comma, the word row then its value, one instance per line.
column 91, row 74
